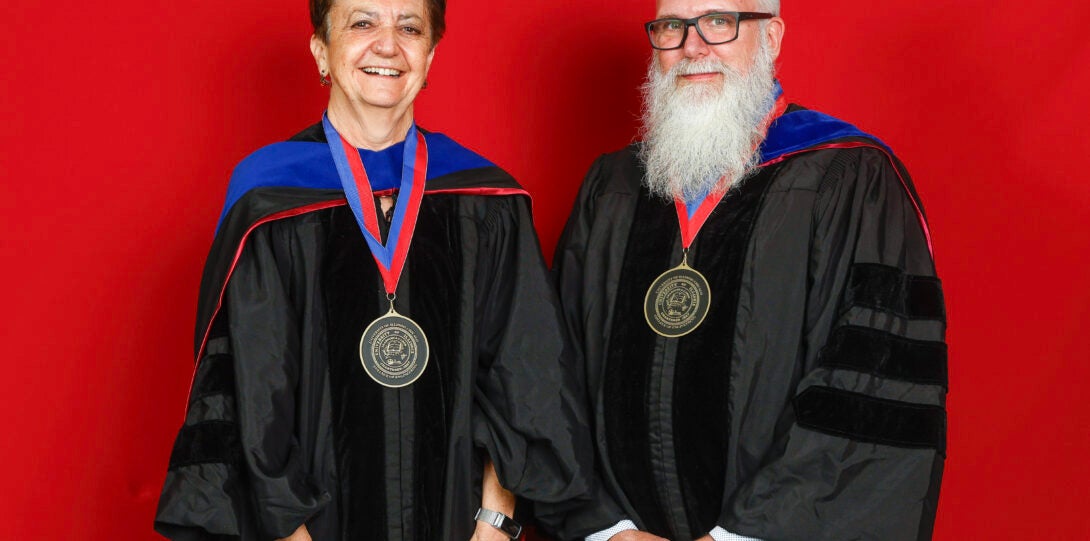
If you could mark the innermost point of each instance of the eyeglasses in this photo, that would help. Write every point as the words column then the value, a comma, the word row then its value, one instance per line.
column 714, row 28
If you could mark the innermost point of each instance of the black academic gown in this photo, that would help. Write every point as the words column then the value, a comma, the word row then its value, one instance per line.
column 809, row 405
column 283, row 425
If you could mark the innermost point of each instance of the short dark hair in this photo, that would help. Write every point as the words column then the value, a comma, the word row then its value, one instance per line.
column 437, row 18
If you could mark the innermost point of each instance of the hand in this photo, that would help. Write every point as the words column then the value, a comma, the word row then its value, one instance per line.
column 706, row 538
column 636, row 535
column 300, row 534
column 495, row 498
column 487, row 532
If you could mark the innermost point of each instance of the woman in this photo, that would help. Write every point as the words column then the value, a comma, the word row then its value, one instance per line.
column 379, row 353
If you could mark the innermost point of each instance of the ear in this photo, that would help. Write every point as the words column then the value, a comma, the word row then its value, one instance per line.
column 318, row 49
column 774, row 36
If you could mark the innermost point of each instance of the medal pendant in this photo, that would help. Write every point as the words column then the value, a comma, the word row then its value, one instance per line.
column 677, row 301
column 394, row 350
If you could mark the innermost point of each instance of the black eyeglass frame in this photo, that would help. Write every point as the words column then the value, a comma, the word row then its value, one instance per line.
column 739, row 16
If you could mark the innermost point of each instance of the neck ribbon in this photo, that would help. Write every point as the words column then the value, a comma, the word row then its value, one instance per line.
column 391, row 256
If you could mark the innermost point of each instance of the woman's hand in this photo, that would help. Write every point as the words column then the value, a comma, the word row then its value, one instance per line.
column 300, row 534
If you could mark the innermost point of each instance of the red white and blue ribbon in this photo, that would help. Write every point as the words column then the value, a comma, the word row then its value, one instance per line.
column 391, row 256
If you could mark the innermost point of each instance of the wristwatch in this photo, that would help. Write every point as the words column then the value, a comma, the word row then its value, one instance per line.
column 499, row 521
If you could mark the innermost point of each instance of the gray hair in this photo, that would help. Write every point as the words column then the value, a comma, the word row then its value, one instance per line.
column 769, row 6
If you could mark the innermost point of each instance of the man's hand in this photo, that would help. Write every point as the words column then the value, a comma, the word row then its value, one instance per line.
column 706, row 538
column 300, row 534
column 636, row 535
column 487, row 532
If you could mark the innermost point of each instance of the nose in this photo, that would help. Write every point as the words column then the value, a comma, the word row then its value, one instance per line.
column 695, row 47
column 385, row 43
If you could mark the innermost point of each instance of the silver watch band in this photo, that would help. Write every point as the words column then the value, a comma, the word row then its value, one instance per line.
column 499, row 521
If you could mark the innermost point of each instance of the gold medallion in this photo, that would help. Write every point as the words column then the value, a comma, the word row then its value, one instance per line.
column 677, row 301
column 394, row 350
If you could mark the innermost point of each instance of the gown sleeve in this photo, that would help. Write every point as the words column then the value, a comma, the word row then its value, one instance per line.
column 244, row 401
column 569, row 261
column 859, row 451
column 201, row 498
column 529, row 410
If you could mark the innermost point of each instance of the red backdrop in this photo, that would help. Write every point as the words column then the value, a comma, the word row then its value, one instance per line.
column 122, row 121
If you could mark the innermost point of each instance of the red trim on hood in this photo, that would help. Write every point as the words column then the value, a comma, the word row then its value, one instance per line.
column 482, row 191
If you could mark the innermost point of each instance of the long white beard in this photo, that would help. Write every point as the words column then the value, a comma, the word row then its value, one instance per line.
column 695, row 134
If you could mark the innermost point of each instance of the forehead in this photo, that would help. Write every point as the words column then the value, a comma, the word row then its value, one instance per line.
column 382, row 7
column 692, row 8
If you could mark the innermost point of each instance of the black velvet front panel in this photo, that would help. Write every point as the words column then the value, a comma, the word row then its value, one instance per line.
column 354, row 298
column 435, row 266
column 701, row 409
column 701, row 386
column 429, row 292
column 631, row 352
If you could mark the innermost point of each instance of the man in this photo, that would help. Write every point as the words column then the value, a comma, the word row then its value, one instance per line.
column 753, row 289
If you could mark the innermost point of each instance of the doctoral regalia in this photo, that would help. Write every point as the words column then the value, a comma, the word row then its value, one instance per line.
column 283, row 426
column 809, row 403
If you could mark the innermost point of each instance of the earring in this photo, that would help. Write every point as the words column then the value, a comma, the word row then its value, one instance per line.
column 425, row 85
column 324, row 79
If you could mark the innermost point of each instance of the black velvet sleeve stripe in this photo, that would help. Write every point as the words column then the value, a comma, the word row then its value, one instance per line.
column 886, row 288
column 886, row 355
column 874, row 420
column 205, row 443
column 925, row 298
column 214, row 376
